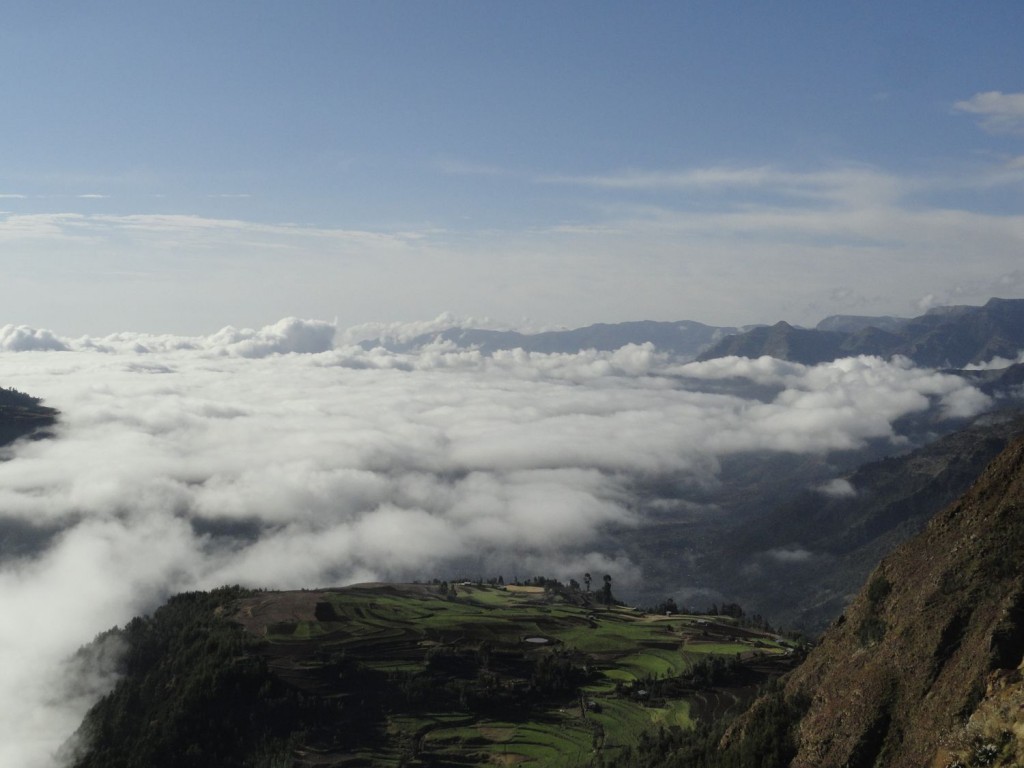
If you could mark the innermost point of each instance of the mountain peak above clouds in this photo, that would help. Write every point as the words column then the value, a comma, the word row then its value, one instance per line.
column 949, row 337
column 684, row 338
column 854, row 323
column 944, row 337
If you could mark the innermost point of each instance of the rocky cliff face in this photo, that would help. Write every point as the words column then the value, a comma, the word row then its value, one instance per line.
column 923, row 668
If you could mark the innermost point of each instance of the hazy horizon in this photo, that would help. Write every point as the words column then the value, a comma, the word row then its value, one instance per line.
column 22, row 337
column 171, row 169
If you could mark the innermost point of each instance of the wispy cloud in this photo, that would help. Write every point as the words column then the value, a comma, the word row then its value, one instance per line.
column 839, row 488
column 796, row 228
column 999, row 112
column 683, row 179
column 184, row 228
column 789, row 555
column 844, row 184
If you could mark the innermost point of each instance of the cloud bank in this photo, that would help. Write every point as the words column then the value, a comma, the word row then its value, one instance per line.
column 21, row 338
column 276, row 457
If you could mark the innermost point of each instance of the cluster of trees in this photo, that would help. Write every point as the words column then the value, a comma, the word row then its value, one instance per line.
column 13, row 398
column 732, row 610
column 766, row 740
column 447, row 590
column 555, row 674
column 484, row 679
column 710, row 672
column 195, row 692
column 603, row 595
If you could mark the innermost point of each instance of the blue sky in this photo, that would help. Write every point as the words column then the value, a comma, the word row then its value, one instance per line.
column 184, row 166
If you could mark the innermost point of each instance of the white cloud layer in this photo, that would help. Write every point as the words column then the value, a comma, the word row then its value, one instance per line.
column 273, row 457
column 1000, row 112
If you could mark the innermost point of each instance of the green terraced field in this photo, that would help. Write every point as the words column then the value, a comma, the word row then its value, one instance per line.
column 456, row 678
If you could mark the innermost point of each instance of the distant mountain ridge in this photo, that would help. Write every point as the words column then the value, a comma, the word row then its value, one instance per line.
column 854, row 323
column 685, row 338
column 944, row 337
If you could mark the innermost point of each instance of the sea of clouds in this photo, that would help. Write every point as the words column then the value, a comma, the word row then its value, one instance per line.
column 288, row 457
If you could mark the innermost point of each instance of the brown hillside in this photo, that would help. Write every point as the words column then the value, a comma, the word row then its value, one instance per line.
column 928, row 643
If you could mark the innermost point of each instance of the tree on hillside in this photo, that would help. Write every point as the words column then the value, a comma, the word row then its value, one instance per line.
column 586, row 580
column 606, row 590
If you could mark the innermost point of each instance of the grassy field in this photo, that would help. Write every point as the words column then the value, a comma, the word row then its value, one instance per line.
column 457, row 680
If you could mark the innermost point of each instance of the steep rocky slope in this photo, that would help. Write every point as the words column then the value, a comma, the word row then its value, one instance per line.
column 933, row 640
